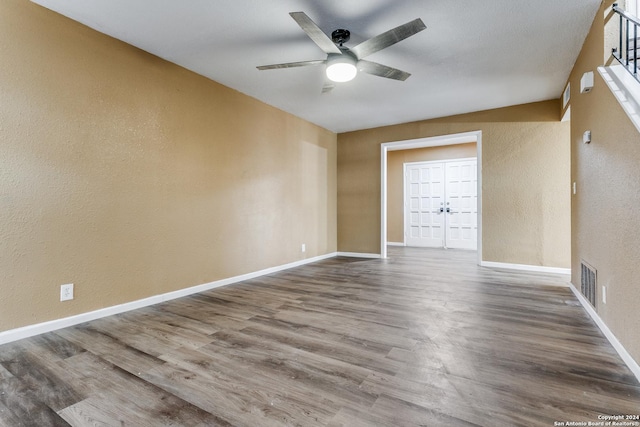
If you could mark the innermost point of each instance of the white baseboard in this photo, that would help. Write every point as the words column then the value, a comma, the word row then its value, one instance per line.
column 41, row 328
column 624, row 354
column 526, row 267
column 395, row 243
column 357, row 255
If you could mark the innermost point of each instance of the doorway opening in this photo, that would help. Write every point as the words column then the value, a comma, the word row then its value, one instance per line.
column 437, row 141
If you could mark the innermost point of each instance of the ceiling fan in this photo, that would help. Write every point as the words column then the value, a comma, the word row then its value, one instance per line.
column 343, row 63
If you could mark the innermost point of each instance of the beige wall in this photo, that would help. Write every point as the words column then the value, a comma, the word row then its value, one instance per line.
column 131, row 177
column 605, row 220
column 395, row 181
column 525, row 182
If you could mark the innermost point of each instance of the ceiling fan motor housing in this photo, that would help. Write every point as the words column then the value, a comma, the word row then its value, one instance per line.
column 340, row 36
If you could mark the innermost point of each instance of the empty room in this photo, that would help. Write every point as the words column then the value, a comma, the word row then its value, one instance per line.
column 319, row 213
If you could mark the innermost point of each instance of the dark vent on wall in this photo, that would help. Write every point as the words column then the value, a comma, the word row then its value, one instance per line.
column 588, row 282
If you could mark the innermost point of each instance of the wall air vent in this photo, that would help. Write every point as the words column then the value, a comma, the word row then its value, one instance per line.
column 588, row 285
column 566, row 95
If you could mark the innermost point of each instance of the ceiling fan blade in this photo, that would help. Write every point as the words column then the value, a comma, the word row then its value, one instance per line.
column 382, row 70
column 291, row 64
column 328, row 87
column 388, row 38
column 315, row 33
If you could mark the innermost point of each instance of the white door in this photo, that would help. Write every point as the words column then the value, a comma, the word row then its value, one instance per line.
column 441, row 204
column 424, row 196
column 461, row 192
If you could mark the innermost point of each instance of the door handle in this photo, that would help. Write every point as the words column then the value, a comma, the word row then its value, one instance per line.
column 442, row 209
column 448, row 210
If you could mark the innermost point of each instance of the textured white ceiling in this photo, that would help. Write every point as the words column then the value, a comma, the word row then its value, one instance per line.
column 474, row 55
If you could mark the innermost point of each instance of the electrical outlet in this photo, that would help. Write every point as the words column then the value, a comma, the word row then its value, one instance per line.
column 604, row 294
column 304, row 247
column 66, row 292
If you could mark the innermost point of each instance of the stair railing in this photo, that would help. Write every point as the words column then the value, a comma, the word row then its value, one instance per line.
column 627, row 51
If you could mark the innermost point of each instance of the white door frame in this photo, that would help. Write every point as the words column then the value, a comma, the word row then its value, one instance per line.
column 436, row 141
column 404, row 193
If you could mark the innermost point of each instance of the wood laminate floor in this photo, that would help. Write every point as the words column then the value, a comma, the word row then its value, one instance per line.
column 424, row 338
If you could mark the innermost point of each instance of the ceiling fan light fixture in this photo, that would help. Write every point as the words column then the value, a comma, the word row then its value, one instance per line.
column 341, row 68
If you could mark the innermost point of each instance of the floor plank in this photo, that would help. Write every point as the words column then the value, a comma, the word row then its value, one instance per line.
column 423, row 338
